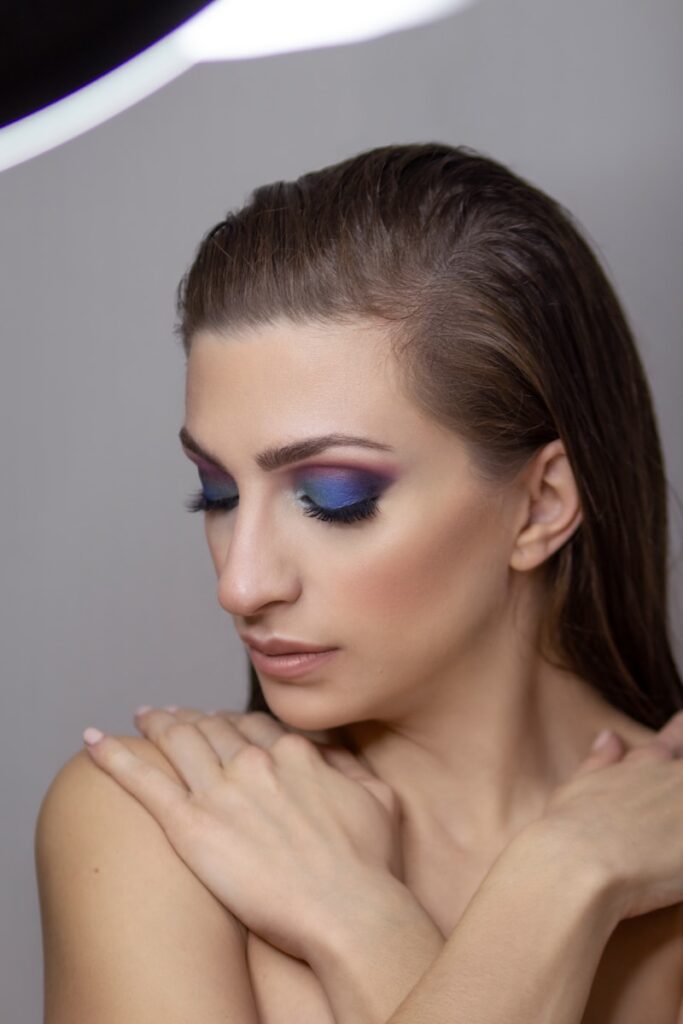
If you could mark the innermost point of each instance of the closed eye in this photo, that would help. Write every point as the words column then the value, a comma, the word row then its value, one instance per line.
column 359, row 510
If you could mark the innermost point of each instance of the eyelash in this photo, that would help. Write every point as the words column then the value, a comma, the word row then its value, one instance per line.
column 364, row 509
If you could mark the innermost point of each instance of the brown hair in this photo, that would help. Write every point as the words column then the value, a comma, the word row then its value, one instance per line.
column 508, row 332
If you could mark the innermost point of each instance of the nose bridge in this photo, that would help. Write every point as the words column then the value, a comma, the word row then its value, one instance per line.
column 255, row 567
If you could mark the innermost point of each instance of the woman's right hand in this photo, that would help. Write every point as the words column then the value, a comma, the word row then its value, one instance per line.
column 623, row 808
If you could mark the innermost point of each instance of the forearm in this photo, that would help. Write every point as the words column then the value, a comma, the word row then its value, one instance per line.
column 379, row 945
column 525, row 951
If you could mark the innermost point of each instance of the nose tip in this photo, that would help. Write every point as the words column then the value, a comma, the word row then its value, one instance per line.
column 244, row 594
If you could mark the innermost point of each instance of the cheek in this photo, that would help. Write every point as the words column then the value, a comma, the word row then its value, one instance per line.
column 427, row 585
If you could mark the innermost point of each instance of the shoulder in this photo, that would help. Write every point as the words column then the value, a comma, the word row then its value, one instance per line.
column 80, row 776
column 83, row 805
column 86, row 815
column 129, row 932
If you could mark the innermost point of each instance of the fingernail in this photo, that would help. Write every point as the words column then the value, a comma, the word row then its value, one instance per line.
column 92, row 735
column 171, row 707
column 601, row 739
column 143, row 707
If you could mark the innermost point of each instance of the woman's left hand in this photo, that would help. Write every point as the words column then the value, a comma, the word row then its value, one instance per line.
column 282, row 831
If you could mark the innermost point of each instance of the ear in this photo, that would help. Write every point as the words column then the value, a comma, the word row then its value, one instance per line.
column 551, row 507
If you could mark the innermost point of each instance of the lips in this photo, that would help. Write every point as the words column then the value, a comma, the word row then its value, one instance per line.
column 277, row 645
column 291, row 666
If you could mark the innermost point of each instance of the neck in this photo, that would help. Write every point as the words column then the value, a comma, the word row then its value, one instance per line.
column 479, row 758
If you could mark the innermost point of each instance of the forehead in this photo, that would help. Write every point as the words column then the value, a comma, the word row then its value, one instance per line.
column 265, row 385
column 289, row 365
column 294, row 374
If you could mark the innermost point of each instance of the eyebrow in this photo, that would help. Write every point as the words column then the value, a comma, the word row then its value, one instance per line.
column 274, row 458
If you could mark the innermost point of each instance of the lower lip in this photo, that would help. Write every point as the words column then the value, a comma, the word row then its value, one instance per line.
column 289, row 666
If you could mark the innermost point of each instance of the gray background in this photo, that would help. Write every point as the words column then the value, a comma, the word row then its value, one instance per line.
column 108, row 593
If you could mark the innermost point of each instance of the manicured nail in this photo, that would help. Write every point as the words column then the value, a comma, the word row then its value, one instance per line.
column 143, row 707
column 171, row 707
column 92, row 735
column 601, row 739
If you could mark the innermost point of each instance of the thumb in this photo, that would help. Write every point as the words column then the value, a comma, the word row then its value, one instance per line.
column 608, row 747
column 358, row 770
column 345, row 761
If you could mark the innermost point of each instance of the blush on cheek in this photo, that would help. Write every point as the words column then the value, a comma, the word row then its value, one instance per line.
column 446, row 582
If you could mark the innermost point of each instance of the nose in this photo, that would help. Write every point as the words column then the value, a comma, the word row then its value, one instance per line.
column 255, row 566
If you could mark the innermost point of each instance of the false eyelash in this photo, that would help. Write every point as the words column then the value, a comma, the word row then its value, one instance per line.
column 364, row 509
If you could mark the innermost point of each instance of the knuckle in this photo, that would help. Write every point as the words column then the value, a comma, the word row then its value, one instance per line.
column 207, row 720
column 390, row 793
column 253, row 757
column 175, row 729
column 184, row 820
column 655, row 748
column 258, row 716
column 662, row 748
column 167, row 738
column 294, row 742
column 385, row 792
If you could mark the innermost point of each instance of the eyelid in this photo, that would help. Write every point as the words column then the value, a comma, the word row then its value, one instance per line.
column 381, row 477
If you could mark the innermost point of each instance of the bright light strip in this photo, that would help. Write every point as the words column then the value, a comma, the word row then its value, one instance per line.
column 93, row 104
column 225, row 30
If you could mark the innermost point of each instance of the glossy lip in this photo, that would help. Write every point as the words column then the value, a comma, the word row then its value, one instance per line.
column 289, row 666
column 276, row 645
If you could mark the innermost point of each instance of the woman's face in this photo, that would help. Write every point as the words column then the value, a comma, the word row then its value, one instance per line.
column 408, row 595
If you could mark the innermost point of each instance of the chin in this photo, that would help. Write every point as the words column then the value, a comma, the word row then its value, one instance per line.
column 308, row 712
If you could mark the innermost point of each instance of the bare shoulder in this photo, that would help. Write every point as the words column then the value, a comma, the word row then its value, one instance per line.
column 129, row 932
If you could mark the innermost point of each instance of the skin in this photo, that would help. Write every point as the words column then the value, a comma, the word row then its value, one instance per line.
column 400, row 691
column 435, row 603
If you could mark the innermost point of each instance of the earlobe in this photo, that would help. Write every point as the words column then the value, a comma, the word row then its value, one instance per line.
column 553, row 509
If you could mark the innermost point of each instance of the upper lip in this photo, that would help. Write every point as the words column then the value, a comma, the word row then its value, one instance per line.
column 276, row 645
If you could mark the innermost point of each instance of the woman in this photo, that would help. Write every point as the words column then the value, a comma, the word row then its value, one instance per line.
column 414, row 374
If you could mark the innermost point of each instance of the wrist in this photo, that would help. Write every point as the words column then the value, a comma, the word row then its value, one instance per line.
column 527, row 947
column 364, row 914
column 377, row 948
column 557, row 854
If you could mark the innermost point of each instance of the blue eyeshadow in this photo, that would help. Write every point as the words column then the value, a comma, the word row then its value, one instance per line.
column 336, row 488
column 213, row 486
column 328, row 487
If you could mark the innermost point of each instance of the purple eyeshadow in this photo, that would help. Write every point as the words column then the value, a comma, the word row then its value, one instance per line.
column 213, row 484
column 327, row 486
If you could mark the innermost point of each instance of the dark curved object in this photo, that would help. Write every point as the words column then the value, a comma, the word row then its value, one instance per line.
column 51, row 48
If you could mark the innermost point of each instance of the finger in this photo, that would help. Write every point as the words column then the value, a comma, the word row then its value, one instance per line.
column 671, row 734
column 225, row 739
column 164, row 798
column 654, row 749
column 185, row 714
column 344, row 761
column 258, row 727
column 294, row 747
column 263, row 729
column 185, row 746
column 151, row 721
column 179, row 713
column 610, row 751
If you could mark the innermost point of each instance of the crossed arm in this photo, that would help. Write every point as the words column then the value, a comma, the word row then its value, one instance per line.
column 119, row 948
